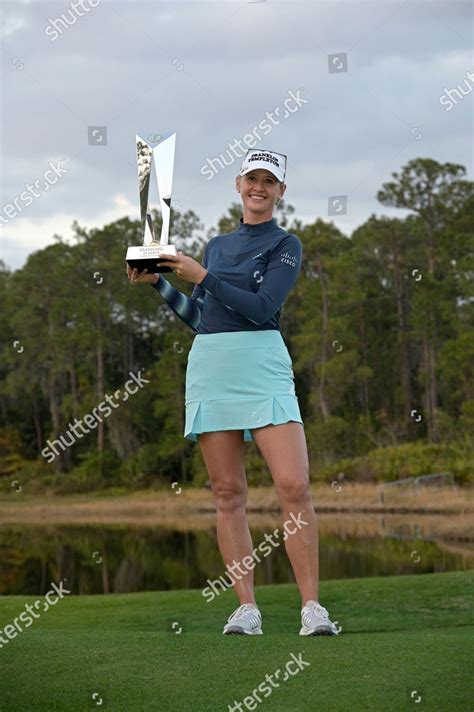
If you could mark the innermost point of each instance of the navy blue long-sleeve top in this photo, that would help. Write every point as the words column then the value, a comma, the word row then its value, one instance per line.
column 250, row 273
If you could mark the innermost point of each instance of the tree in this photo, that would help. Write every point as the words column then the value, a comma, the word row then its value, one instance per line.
column 436, row 193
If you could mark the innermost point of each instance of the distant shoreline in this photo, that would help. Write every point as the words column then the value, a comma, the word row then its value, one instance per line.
column 157, row 505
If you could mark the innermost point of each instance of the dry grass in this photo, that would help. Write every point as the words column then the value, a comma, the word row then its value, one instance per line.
column 355, row 511
column 165, row 506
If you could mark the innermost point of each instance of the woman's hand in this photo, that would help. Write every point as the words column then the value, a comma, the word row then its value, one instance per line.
column 136, row 277
column 185, row 267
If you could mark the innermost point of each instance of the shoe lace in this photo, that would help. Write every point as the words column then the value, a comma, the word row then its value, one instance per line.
column 242, row 612
column 313, row 609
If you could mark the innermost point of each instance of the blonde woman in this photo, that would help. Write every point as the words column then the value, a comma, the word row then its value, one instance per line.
column 240, row 384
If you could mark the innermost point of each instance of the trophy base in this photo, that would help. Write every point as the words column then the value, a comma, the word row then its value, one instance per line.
column 148, row 257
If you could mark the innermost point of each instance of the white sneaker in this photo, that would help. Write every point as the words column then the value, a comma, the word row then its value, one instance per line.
column 315, row 620
column 245, row 620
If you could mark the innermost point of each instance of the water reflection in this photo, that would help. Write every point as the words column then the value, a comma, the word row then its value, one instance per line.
column 118, row 559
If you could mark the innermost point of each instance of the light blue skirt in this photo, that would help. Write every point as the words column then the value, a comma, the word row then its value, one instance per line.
column 239, row 380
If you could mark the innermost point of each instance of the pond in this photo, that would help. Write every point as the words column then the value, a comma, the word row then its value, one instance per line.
column 96, row 559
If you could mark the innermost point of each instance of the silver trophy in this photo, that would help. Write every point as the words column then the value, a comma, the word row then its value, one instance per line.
column 160, row 151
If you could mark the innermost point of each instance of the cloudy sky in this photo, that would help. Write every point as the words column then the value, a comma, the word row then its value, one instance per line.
column 369, row 77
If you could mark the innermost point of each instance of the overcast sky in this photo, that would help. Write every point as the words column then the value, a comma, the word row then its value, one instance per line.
column 211, row 71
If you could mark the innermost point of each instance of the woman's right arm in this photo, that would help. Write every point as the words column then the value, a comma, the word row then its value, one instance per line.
column 187, row 308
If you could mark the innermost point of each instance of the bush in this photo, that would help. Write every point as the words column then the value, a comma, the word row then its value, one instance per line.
column 31, row 476
column 144, row 468
column 96, row 471
column 396, row 462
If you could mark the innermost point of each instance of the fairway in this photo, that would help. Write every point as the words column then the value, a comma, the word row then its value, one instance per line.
column 403, row 639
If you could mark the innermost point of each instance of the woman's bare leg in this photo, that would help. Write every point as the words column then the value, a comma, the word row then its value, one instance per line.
column 223, row 454
column 285, row 452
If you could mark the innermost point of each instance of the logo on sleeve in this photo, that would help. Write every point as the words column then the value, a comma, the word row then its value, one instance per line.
column 289, row 259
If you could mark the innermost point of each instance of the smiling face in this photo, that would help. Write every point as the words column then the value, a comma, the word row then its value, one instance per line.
column 259, row 190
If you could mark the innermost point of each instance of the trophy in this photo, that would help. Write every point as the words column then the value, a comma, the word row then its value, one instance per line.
column 160, row 151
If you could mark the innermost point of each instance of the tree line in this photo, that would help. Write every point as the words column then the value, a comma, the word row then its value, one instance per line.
column 379, row 327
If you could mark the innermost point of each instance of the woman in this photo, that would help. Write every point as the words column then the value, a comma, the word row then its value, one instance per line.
column 240, row 384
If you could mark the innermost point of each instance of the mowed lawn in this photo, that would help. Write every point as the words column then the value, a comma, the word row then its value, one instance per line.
column 406, row 643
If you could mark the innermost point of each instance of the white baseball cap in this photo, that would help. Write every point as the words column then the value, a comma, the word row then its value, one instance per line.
column 269, row 160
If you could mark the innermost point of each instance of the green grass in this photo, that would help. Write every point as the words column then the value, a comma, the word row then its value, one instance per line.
column 399, row 634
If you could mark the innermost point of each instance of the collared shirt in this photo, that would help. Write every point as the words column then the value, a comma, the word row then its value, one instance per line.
column 250, row 273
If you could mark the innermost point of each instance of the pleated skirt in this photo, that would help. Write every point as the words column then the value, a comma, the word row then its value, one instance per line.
column 239, row 380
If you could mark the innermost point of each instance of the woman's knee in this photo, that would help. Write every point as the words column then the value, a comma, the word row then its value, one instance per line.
column 229, row 497
column 223, row 453
column 295, row 489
